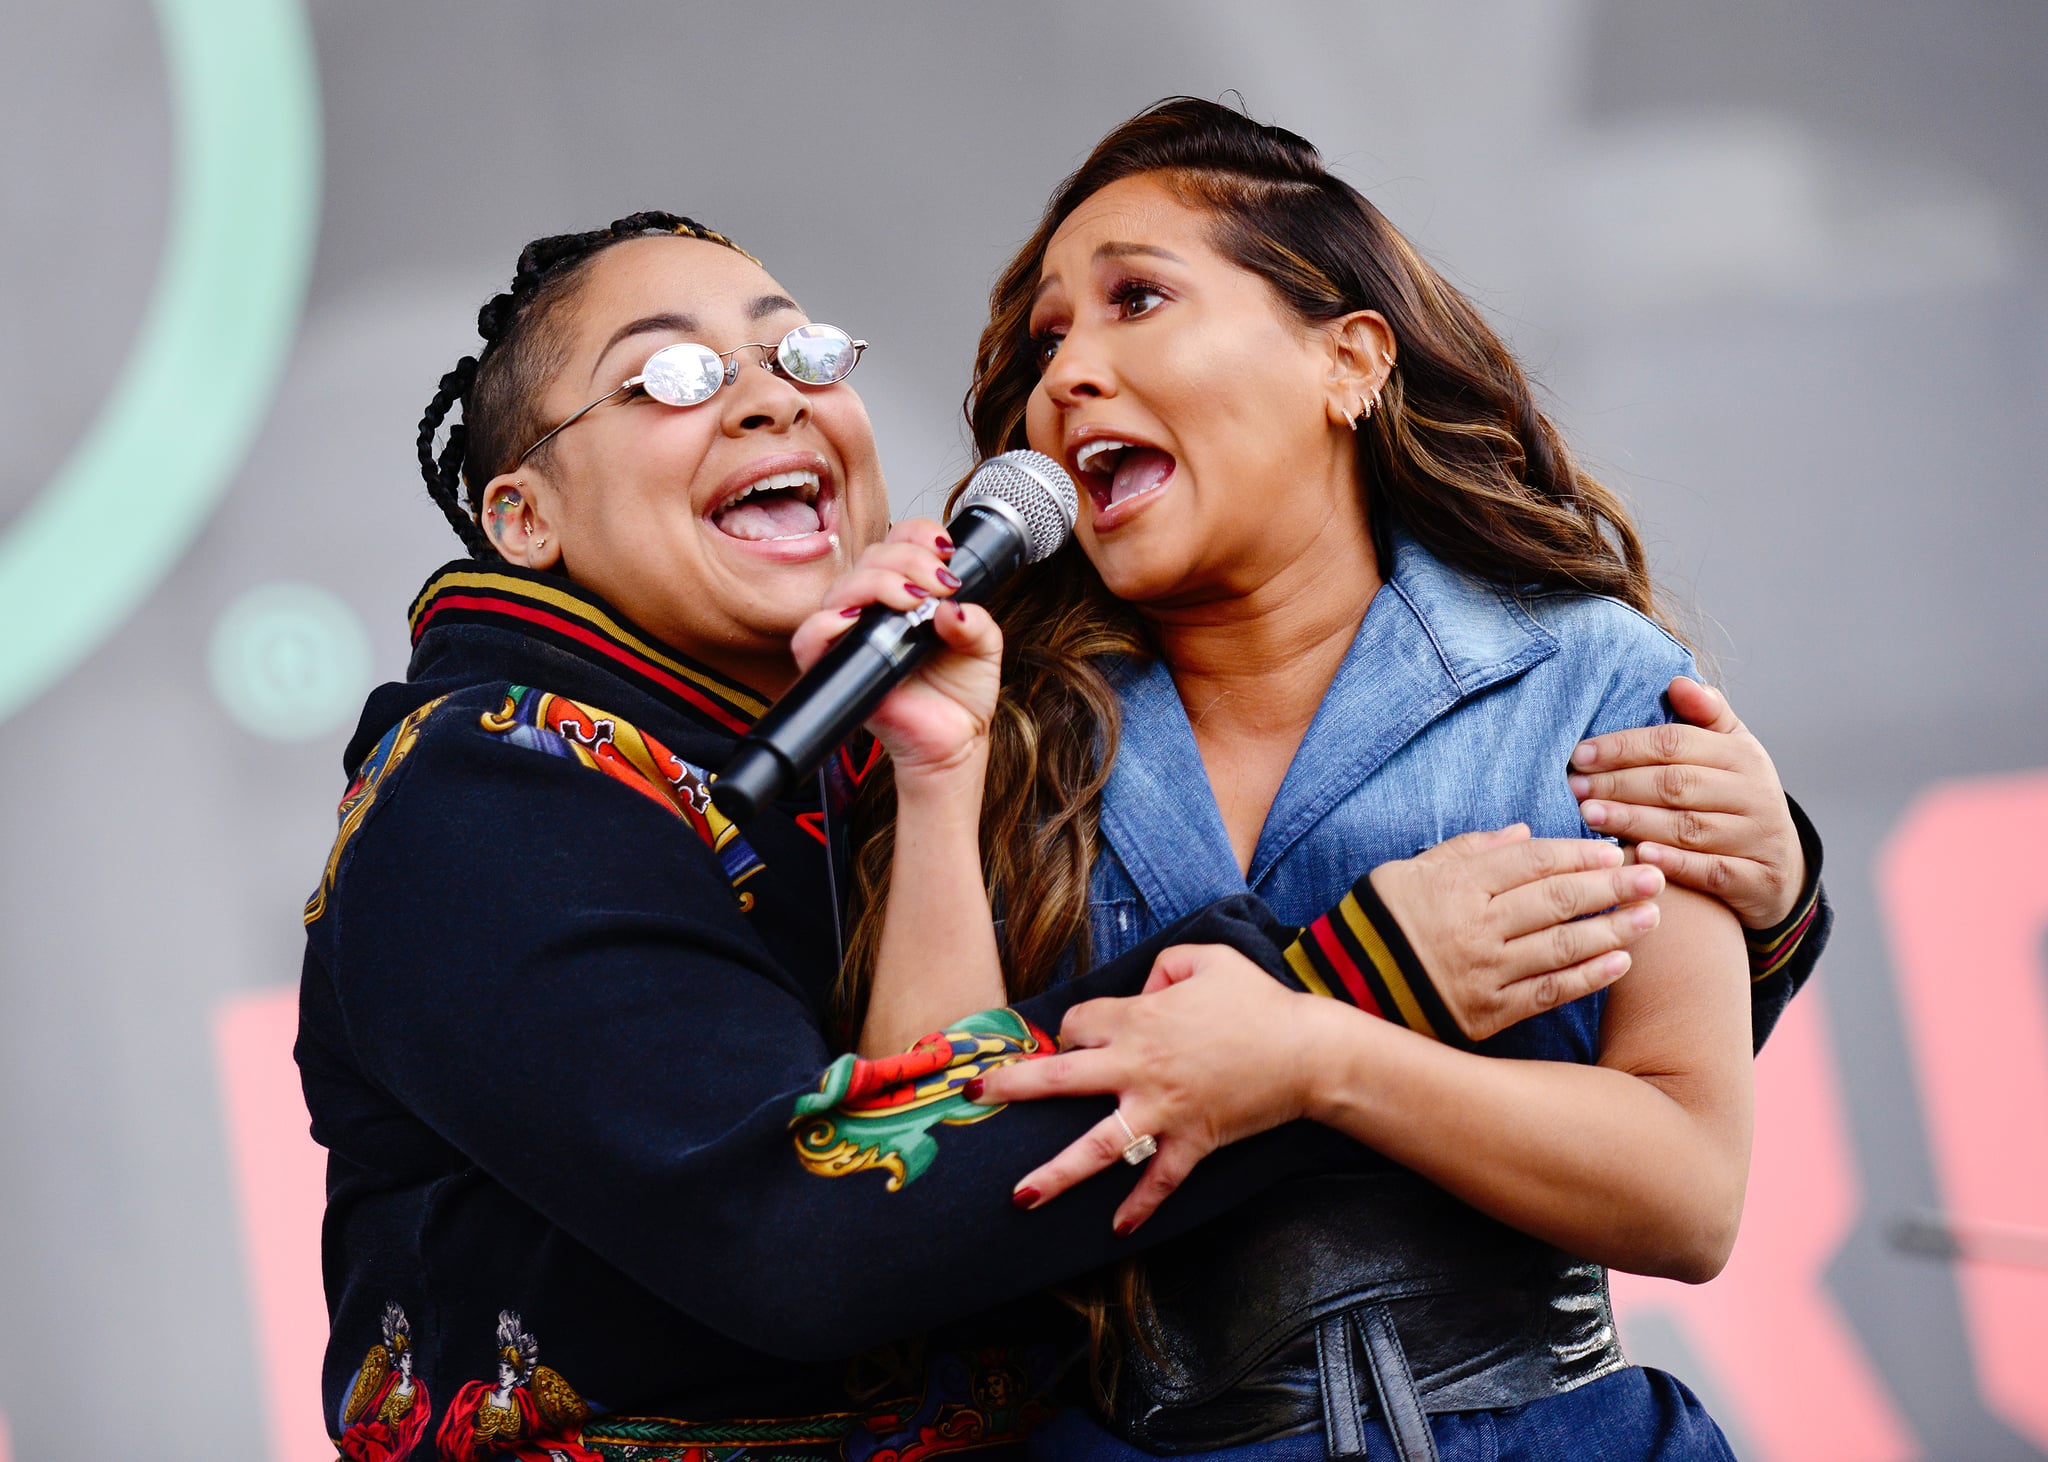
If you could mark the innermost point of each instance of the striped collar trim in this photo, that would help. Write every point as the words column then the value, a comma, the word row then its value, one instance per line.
column 552, row 608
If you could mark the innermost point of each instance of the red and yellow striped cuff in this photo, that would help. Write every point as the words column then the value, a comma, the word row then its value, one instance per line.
column 1358, row 954
column 1772, row 949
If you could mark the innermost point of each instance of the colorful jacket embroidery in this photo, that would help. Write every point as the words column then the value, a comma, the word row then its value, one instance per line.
column 610, row 744
column 880, row 1113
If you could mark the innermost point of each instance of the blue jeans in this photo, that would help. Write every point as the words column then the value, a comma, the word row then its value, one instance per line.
column 1635, row 1415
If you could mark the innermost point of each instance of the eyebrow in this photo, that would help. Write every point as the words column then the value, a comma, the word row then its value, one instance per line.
column 680, row 324
column 1115, row 250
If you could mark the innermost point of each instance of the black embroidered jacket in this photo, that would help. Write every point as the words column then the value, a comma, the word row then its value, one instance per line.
column 595, row 1178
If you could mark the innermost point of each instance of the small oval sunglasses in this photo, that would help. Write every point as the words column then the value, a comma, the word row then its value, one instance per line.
column 689, row 374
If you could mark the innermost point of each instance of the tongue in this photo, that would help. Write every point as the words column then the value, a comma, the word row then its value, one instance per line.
column 1141, row 470
column 770, row 515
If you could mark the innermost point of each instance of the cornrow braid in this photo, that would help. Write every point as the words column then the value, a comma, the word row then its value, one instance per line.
column 444, row 472
column 498, row 389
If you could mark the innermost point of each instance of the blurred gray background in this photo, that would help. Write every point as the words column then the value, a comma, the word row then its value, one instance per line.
column 1779, row 267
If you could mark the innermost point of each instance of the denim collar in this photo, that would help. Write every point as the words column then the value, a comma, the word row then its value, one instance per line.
column 1432, row 637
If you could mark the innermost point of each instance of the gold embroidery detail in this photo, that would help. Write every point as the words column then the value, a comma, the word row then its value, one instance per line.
column 376, row 1366
column 560, row 1406
column 356, row 807
column 497, row 1423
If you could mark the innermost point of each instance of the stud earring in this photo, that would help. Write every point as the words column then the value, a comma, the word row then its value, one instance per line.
column 540, row 543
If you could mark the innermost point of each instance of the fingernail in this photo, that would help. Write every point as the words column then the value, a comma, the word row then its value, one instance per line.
column 1645, row 917
column 1595, row 813
column 960, row 613
column 1611, row 856
column 944, row 545
column 1025, row 1198
column 1124, row 1226
column 914, row 591
column 1645, row 881
column 851, row 611
column 1615, row 964
column 1585, row 754
column 950, row 579
column 1649, row 852
column 1581, row 786
column 972, row 1090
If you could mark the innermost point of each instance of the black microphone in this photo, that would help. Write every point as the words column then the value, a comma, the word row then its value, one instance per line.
column 1018, row 508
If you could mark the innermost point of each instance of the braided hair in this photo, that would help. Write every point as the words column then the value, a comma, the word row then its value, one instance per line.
column 499, row 387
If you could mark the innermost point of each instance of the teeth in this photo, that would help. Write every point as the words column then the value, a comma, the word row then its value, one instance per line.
column 1099, row 447
column 805, row 481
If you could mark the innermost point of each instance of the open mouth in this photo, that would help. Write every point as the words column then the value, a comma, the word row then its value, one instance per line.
column 1114, row 471
column 776, row 508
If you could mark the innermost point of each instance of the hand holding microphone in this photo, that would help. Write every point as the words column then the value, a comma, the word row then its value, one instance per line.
column 1018, row 508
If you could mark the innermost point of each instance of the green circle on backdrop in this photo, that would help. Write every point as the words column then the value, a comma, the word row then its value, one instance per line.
column 289, row 661
column 178, row 420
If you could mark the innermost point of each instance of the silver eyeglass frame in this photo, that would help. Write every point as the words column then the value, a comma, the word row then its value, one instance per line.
column 771, row 362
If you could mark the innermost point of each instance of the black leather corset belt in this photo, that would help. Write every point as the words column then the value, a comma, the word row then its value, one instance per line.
column 1258, row 1322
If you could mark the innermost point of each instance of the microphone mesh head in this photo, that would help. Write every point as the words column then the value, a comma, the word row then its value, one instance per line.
column 1036, row 488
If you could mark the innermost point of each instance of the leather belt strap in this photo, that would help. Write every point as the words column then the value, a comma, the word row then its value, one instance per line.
column 1400, row 1402
column 1343, row 1429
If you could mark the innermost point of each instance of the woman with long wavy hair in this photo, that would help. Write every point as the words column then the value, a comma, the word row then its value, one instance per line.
column 1340, row 592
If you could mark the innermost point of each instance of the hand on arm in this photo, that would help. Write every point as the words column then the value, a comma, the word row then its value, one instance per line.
column 1701, row 801
column 1505, row 926
column 937, row 960
column 1638, row 1162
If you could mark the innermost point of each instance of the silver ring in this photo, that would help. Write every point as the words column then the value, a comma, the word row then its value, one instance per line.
column 1139, row 1150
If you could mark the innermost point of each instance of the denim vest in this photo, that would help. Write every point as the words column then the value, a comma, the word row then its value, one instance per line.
column 1455, row 709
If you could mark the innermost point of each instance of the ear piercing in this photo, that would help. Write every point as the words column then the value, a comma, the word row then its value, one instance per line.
column 1363, row 408
column 504, row 506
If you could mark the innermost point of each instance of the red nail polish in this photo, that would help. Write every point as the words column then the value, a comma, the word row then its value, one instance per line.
column 1124, row 1227
column 914, row 591
column 950, row 579
column 1024, row 1198
column 960, row 612
column 972, row 1091
column 945, row 546
column 851, row 611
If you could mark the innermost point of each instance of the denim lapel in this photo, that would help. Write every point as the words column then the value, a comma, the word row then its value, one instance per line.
column 1158, row 813
column 1431, row 638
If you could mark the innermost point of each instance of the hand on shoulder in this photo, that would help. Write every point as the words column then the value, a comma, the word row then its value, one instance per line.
column 1701, row 800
